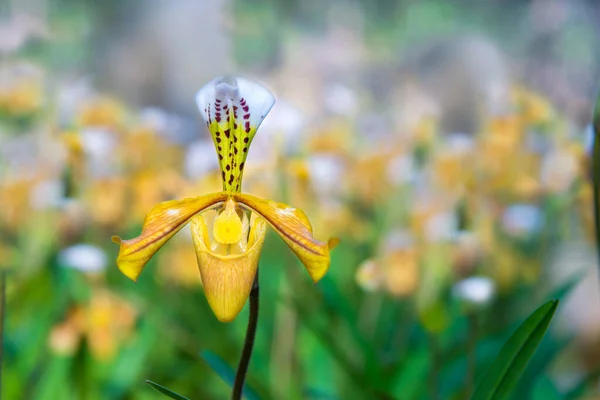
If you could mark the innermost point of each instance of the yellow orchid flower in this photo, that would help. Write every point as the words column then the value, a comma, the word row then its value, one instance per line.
column 228, row 246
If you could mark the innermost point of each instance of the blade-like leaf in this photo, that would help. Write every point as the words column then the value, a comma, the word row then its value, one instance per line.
column 545, row 390
column 534, row 373
column 167, row 392
column 129, row 364
column 508, row 366
column 316, row 394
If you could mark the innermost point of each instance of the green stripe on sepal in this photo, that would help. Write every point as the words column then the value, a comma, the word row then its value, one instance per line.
column 507, row 368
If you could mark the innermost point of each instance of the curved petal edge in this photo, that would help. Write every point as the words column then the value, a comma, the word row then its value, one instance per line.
column 160, row 225
column 293, row 226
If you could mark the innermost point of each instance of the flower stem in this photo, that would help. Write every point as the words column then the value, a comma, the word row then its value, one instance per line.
column 2, row 319
column 240, row 375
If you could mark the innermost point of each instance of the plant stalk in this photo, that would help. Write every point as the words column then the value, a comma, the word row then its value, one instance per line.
column 242, row 369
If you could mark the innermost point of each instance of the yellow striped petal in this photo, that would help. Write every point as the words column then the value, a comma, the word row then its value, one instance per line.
column 292, row 225
column 227, row 279
column 160, row 225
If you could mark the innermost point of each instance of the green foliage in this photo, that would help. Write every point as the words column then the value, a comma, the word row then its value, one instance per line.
column 506, row 370
column 167, row 392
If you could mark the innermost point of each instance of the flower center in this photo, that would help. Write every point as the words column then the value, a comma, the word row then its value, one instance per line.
column 228, row 227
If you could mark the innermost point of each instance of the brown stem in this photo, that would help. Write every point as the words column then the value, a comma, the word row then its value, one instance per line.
column 240, row 375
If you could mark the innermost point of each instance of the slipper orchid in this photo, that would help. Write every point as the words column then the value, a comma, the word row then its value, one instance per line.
column 228, row 251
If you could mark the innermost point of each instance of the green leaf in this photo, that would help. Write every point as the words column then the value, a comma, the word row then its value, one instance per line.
column 343, row 309
column 167, row 392
column 508, row 366
column 127, row 367
column 545, row 390
column 408, row 382
column 227, row 373
column 52, row 383
column 331, row 345
column 533, row 374
column 317, row 394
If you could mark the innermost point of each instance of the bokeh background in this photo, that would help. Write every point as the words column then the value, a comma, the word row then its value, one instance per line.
column 445, row 143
